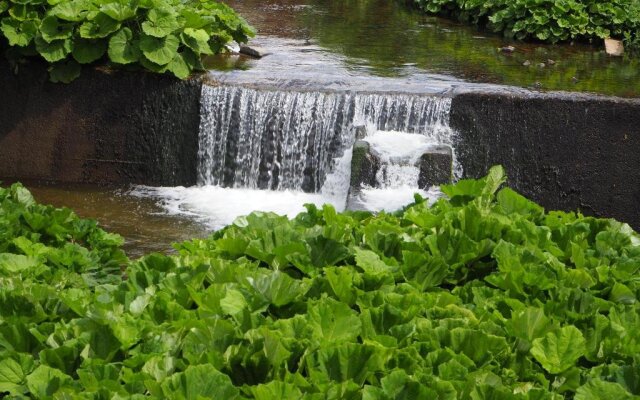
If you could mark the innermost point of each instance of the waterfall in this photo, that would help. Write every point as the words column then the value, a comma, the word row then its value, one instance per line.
column 263, row 149
column 279, row 140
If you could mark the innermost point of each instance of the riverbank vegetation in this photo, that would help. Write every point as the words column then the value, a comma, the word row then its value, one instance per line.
column 157, row 35
column 547, row 20
column 482, row 295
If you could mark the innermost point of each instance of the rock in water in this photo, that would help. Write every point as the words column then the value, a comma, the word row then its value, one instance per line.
column 436, row 167
column 364, row 166
column 361, row 132
column 256, row 52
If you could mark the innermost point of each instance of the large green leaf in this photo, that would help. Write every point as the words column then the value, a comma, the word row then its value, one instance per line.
column 529, row 324
column 276, row 390
column 123, row 49
column 333, row 321
column 179, row 66
column 559, row 351
column 371, row 263
column 44, row 381
column 277, row 288
column 15, row 263
column 52, row 29
column 597, row 389
column 87, row 51
column 74, row 10
column 159, row 50
column 18, row 33
column 197, row 40
column 199, row 382
column 345, row 362
column 24, row 12
column 13, row 374
column 119, row 11
column 98, row 27
column 160, row 23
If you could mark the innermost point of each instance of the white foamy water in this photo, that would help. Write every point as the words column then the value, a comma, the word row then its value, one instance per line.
column 217, row 207
column 392, row 199
column 400, row 147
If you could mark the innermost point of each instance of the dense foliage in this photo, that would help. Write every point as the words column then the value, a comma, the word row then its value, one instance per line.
column 548, row 20
column 159, row 35
column 481, row 296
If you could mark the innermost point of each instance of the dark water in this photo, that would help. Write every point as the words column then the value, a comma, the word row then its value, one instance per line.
column 353, row 43
column 143, row 223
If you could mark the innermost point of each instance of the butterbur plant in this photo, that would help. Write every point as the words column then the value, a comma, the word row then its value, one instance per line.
column 158, row 35
column 546, row 20
column 480, row 295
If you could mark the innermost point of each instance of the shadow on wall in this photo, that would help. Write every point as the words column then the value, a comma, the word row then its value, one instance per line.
column 105, row 127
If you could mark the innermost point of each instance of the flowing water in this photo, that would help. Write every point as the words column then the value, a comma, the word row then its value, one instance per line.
column 143, row 223
column 382, row 45
column 275, row 150
column 266, row 139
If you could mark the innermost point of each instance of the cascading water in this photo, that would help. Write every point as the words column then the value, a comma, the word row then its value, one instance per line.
column 397, row 177
column 278, row 140
column 274, row 150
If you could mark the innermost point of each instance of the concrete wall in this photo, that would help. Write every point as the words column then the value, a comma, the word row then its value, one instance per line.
column 117, row 127
column 566, row 152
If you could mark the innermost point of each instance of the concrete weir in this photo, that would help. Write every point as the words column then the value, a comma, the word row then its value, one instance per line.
column 105, row 127
column 565, row 151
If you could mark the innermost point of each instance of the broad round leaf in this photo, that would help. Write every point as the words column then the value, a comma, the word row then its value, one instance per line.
column 18, row 33
column 74, row 11
column 86, row 51
column 159, row 50
column 99, row 27
column 197, row 40
column 65, row 71
column 160, row 23
column 26, row 2
column 52, row 29
column 24, row 12
column 194, row 19
column 53, row 51
column 151, row 66
column 179, row 67
column 557, row 352
column 122, row 48
column 119, row 11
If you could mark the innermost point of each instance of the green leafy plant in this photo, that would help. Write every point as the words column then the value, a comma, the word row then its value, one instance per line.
column 482, row 295
column 546, row 20
column 158, row 35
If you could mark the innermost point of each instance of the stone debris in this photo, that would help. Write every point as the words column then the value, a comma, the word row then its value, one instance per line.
column 255, row 52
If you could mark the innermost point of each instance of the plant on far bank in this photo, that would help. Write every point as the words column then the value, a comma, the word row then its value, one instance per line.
column 482, row 295
column 158, row 35
column 546, row 20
